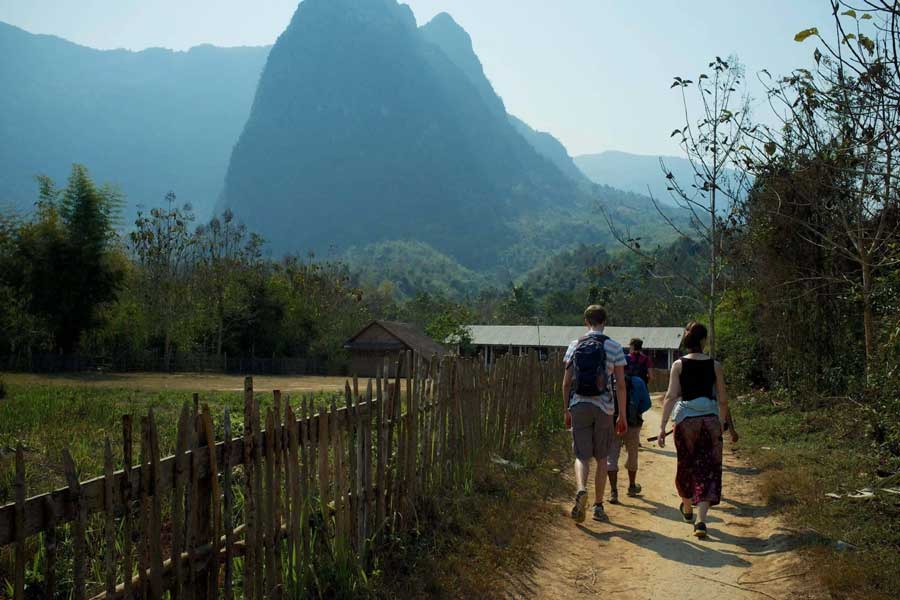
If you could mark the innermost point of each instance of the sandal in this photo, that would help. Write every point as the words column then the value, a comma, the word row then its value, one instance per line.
column 688, row 517
column 700, row 531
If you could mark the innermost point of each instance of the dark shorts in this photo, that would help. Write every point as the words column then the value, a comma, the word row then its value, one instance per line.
column 592, row 431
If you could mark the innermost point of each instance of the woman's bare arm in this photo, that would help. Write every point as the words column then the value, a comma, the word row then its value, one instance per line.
column 724, row 407
column 721, row 393
column 672, row 396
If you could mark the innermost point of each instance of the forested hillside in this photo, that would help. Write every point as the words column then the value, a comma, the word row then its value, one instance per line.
column 148, row 122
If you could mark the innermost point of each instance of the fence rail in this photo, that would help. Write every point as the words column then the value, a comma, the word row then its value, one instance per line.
column 295, row 482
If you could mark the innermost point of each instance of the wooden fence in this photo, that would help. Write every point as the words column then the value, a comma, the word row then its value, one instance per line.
column 246, row 516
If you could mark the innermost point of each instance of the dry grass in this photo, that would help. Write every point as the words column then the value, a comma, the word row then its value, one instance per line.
column 187, row 382
column 482, row 543
column 805, row 454
column 48, row 413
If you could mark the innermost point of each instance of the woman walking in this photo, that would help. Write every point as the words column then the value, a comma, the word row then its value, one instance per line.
column 697, row 395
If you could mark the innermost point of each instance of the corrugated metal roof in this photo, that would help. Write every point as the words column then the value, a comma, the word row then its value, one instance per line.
column 554, row 336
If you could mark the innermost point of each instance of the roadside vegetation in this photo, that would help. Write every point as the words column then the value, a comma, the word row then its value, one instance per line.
column 808, row 449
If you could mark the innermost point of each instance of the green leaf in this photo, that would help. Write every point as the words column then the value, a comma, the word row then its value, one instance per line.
column 801, row 36
column 867, row 43
column 849, row 13
column 770, row 148
column 866, row 17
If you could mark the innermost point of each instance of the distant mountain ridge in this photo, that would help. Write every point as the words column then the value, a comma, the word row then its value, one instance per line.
column 637, row 173
column 149, row 121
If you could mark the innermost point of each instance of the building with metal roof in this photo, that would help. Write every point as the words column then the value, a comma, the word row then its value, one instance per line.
column 661, row 343
column 387, row 339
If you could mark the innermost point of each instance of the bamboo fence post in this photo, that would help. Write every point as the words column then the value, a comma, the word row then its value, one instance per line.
column 260, row 503
column 211, row 521
column 350, row 424
column 308, row 469
column 380, row 453
column 356, row 439
column 228, row 517
column 323, row 475
column 155, row 526
column 50, row 551
column 19, row 569
column 78, row 526
column 144, row 499
column 193, row 503
column 295, row 550
column 337, row 449
column 177, row 508
column 109, row 525
column 277, row 482
column 288, row 506
column 250, row 559
column 441, row 401
column 128, row 501
column 410, row 441
column 367, row 480
column 270, row 505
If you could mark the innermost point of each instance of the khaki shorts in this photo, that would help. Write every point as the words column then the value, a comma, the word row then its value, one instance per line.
column 632, row 441
column 592, row 431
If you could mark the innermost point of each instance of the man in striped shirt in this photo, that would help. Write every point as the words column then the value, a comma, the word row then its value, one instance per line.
column 590, row 416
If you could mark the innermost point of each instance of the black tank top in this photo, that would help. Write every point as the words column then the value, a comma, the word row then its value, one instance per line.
column 698, row 378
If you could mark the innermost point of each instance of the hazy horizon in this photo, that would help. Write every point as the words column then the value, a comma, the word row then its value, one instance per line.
column 595, row 74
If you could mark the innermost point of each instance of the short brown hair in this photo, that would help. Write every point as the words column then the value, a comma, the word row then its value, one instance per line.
column 636, row 343
column 595, row 315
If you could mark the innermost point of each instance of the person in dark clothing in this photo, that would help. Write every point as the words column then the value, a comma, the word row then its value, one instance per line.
column 638, row 365
column 698, row 403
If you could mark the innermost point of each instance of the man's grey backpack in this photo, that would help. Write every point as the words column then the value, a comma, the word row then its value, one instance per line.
column 589, row 375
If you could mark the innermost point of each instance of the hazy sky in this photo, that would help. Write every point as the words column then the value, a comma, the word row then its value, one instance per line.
column 595, row 73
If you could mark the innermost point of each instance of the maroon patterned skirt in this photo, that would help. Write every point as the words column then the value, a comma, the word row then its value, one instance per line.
column 698, row 442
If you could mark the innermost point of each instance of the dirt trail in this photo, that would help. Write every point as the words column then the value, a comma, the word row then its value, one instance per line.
column 647, row 551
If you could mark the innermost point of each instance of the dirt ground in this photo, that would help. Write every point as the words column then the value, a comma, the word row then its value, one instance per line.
column 647, row 551
column 212, row 382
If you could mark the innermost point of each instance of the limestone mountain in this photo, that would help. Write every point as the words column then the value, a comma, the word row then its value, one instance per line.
column 456, row 43
column 366, row 128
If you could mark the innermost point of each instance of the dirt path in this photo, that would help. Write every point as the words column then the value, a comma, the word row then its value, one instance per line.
column 647, row 551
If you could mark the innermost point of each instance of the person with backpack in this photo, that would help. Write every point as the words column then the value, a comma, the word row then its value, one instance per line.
column 639, row 364
column 637, row 376
column 697, row 401
column 594, row 377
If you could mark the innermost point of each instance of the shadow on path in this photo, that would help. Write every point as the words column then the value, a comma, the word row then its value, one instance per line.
column 678, row 550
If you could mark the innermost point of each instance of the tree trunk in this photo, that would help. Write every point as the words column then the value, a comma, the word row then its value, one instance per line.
column 868, row 318
column 713, row 254
column 167, row 349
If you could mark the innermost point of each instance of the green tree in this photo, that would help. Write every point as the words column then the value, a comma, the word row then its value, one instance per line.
column 163, row 246
column 67, row 256
column 713, row 139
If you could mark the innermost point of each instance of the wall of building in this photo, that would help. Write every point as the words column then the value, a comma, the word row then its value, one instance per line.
column 365, row 363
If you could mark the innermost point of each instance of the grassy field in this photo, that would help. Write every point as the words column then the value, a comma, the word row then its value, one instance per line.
column 806, row 453
column 78, row 412
column 465, row 543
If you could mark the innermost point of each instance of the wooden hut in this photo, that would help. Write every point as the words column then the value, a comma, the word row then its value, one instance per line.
column 386, row 339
